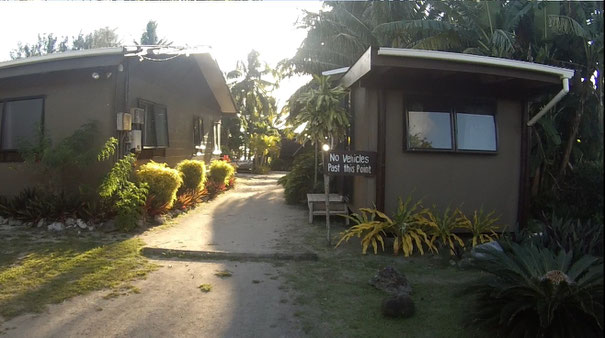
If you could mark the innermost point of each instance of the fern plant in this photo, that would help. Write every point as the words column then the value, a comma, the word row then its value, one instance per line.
column 532, row 292
column 482, row 226
column 441, row 228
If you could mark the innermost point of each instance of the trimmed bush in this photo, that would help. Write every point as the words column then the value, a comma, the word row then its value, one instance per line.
column 193, row 173
column 163, row 183
column 221, row 172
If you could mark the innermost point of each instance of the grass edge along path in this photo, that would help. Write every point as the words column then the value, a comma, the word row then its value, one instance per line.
column 49, row 273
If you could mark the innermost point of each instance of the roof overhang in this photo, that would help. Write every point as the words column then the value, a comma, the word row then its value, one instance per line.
column 422, row 69
column 104, row 57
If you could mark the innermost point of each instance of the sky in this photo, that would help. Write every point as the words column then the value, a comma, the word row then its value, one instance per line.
column 232, row 29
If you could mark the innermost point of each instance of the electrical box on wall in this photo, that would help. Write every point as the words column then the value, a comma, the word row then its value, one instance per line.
column 135, row 140
column 138, row 115
column 124, row 121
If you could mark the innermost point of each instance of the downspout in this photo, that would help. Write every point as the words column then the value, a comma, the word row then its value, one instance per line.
column 549, row 105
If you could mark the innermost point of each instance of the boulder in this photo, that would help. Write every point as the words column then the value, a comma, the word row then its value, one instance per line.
column 81, row 224
column 495, row 245
column 56, row 226
column 398, row 306
column 41, row 223
column 70, row 222
column 391, row 281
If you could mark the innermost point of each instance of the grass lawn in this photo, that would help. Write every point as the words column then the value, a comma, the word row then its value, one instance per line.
column 37, row 268
column 337, row 301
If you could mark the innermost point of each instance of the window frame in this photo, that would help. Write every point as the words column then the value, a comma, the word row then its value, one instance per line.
column 12, row 155
column 141, row 103
column 451, row 106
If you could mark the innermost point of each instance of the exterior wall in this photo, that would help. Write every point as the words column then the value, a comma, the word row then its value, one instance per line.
column 73, row 98
column 364, row 104
column 471, row 180
column 179, row 85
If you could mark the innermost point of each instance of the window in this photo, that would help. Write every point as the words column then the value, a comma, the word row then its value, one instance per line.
column 18, row 122
column 451, row 126
column 155, row 130
column 199, row 139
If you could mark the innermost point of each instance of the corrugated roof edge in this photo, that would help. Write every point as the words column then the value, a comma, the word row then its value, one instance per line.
column 63, row 56
column 476, row 59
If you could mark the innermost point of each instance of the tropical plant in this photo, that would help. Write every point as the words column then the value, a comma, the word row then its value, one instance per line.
column 482, row 226
column 150, row 36
column 441, row 228
column 299, row 181
column 533, row 292
column 193, row 173
column 406, row 224
column 263, row 147
column 118, row 190
column 188, row 199
column 373, row 230
column 163, row 183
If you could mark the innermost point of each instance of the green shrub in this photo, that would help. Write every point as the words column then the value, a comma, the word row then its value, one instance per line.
column 193, row 173
column 299, row 181
column 532, row 292
column 221, row 172
column 126, row 197
column 281, row 164
column 163, row 183
column 261, row 169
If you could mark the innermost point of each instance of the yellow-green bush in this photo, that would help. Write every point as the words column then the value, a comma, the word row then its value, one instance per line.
column 163, row 183
column 221, row 172
column 193, row 173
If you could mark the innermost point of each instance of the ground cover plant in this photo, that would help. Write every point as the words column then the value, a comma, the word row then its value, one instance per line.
column 526, row 291
column 163, row 183
column 37, row 271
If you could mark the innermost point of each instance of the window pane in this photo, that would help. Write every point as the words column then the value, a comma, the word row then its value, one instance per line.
column 161, row 126
column 476, row 132
column 149, row 135
column 19, row 122
column 429, row 130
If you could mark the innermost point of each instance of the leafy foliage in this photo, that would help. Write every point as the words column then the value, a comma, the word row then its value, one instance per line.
column 482, row 226
column 441, row 228
column 127, row 197
column 264, row 147
column 221, row 172
column 163, row 183
column 373, row 230
column 569, row 235
column 299, row 181
column 193, row 173
column 188, row 199
column 533, row 292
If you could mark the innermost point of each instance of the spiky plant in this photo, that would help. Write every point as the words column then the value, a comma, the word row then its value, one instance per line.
column 482, row 226
column 532, row 292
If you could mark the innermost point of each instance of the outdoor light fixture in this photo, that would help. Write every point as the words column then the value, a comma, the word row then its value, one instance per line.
column 95, row 75
column 325, row 147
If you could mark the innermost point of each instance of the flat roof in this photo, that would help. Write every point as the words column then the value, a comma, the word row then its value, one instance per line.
column 452, row 62
column 115, row 55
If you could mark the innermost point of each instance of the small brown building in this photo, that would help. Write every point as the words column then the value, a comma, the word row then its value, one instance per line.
column 162, row 102
column 450, row 128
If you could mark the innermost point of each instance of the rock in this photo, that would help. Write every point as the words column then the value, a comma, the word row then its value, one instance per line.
column 159, row 219
column 14, row 222
column 56, row 226
column 400, row 305
column 109, row 225
column 391, row 281
column 41, row 223
column 81, row 224
column 490, row 245
column 70, row 222
column 3, row 220
column 465, row 263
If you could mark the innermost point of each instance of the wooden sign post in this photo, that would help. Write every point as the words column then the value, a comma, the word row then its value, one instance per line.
column 345, row 163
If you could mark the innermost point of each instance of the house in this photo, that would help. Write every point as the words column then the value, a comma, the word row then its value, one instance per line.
column 163, row 103
column 452, row 129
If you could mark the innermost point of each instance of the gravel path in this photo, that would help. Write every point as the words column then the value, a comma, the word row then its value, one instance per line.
column 253, row 302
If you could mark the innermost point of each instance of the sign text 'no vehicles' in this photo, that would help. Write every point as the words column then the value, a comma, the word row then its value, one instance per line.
column 354, row 163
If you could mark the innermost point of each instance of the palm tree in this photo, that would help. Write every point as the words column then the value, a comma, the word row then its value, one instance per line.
column 322, row 115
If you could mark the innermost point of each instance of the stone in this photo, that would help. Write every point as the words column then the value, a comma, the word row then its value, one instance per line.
column 28, row 224
column 81, row 224
column 391, row 281
column 3, row 220
column 41, row 223
column 70, row 222
column 396, row 306
column 14, row 222
column 490, row 245
column 159, row 219
column 56, row 226
column 109, row 226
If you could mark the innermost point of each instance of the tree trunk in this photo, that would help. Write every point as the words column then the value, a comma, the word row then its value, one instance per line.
column 315, row 168
column 575, row 126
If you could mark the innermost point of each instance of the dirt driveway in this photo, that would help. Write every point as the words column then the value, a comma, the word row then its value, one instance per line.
column 252, row 302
